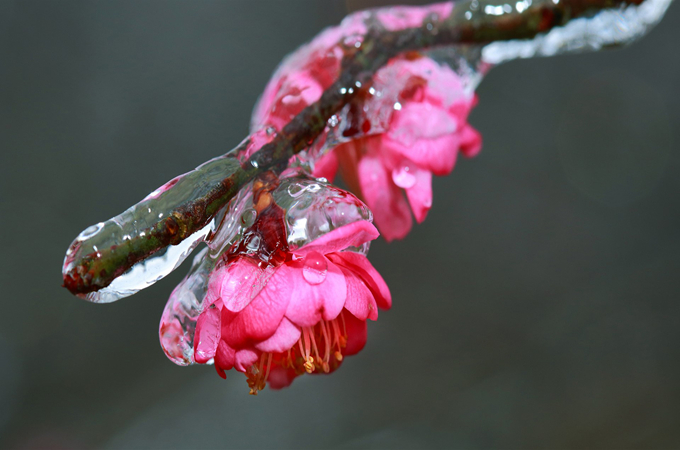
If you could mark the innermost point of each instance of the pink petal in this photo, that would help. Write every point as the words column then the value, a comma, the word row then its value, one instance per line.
column 309, row 303
column 362, row 267
column 225, row 357
column 280, row 377
column 326, row 166
column 421, row 120
column 390, row 210
column 207, row 334
column 470, row 141
column 356, row 335
column 285, row 336
column 420, row 194
column 234, row 283
column 244, row 359
column 350, row 235
column 437, row 155
column 360, row 301
column 260, row 319
column 400, row 17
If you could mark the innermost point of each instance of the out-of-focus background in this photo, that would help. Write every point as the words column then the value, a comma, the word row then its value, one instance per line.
column 538, row 305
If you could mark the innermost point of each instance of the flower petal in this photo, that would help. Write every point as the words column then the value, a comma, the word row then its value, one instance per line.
column 350, row 235
column 225, row 357
column 421, row 120
column 281, row 377
column 309, row 303
column 356, row 334
column 470, row 141
column 420, row 194
column 360, row 265
column 390, row 210
column 437, row 154
column 207, row 334
column 244, row 359
column 285, row 336
column 234, row 283
column 260, row 319
column 327, row 166
column 360, row 301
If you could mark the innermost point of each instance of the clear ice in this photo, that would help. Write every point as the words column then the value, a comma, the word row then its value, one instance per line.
column 139, row 218
column 307, row 202
column 312, row 208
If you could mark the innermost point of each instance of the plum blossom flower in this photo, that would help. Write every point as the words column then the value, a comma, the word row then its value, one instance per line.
column 425, row 133
column 303, row 76
column 303, row 313
column 392, row 171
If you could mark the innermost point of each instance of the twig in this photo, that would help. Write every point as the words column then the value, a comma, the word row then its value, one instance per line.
column 97, row 270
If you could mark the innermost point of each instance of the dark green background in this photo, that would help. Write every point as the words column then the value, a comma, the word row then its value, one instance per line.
column 538, row 305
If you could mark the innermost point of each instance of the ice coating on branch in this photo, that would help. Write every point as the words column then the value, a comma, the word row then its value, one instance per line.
column 616, row 26
column 186, row 302
column 300, row 81
column 311, row 208
column 136, row 223
column 303, row 76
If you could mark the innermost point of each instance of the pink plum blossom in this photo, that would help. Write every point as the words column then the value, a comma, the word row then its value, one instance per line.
column 275, row 322
column 392, row 171
column 426, row 131
column 304, row 75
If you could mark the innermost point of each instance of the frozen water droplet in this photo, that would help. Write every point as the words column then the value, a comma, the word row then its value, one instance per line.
column 403, row 177
column 316, row 208
column 182, row 310
column 354, row 40
column 295, row 190
column 248, row 217
column 314, row 268
column 253, row 244
column 91, row 231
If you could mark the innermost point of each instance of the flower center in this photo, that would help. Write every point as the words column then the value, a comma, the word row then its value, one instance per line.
column 318, row 349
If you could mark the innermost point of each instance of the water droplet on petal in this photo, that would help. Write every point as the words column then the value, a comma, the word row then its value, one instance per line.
column 314, row 268
column 404, row 177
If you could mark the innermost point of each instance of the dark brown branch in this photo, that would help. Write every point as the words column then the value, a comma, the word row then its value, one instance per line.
column 97, row 270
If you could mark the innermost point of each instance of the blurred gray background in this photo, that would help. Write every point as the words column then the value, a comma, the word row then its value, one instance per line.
column 536, row 307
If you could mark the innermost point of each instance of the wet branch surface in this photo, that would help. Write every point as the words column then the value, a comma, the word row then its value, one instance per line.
column 97, row 270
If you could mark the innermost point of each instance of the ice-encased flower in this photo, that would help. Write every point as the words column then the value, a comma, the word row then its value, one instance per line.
column 426, row 131
column 274, row 323
column 304, row 75
column 382, row 158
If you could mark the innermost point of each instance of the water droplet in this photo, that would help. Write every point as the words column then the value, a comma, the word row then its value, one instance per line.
column 353, row 40
column 253, row 244
column 404, row 177
column 295, row 190
column 248, row 217
column 314, row 268
column 91, row 231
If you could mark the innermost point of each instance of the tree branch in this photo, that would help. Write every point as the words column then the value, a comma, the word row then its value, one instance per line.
column 97, row 270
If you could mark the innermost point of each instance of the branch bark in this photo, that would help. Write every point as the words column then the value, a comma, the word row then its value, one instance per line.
column 97, row 270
